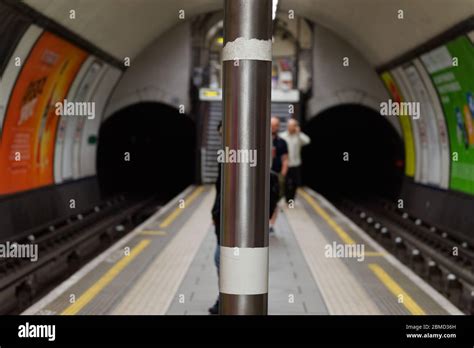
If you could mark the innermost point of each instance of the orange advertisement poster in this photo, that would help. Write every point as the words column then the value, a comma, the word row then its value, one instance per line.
column 29, row 130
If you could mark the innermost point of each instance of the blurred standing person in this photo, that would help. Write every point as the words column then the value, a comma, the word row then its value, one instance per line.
column 295, row 140
column 278, row 170
column 216, row 218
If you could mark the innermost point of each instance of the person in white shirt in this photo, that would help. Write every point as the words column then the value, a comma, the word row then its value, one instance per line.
column 295, row 139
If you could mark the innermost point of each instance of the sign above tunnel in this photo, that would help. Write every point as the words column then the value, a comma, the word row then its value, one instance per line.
column 210, row 94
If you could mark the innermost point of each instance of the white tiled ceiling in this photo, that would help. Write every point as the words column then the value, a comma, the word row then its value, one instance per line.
column 121, row 27
column 125, row 27
column 373, row 27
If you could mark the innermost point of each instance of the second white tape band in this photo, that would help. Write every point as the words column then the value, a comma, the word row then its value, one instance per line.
column 243, row 271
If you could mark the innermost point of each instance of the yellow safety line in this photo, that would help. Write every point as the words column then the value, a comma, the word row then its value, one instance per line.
column 338, row 229
column 153, row 233
column 373, row 253
column 175, row 213
column 113, row 272
column 395, row 289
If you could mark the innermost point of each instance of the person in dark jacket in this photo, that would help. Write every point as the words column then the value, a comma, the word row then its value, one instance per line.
column 278, row 170
column 216, row 218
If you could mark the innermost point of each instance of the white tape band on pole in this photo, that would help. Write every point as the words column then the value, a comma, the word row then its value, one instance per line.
column 243, row 271
column 250, row 49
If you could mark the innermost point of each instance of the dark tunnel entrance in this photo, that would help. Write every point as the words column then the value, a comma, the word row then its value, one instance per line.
column 375, row 152
column 161, row 146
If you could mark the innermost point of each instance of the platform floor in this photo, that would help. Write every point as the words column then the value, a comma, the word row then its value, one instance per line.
column 166, row 266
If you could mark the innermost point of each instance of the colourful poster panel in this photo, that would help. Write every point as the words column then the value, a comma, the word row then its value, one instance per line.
column 452, row 70
column 28, row 139
column 405, row 124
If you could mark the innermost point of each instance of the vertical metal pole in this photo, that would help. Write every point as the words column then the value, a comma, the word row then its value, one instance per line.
column 246, row 64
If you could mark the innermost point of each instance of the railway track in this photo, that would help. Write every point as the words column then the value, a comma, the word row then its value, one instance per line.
column 63, row 246
column 444, row 258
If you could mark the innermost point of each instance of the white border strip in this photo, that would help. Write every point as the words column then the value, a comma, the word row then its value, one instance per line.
column 471, row 36
column 422, row 284
column 251, row 49
column 243, row 271
column 63, row 142
column 76, row 277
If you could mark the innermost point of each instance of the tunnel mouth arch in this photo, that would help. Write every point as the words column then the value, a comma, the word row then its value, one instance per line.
column 355, row 153
column 146, row 149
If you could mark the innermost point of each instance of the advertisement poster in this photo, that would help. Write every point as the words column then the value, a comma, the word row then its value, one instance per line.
column 405, row 124
column 282, row 73
column 28, row 140
column 452, row 69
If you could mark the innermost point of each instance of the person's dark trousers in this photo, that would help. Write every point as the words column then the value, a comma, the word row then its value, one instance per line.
column 292, row 181
column 217, row 253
